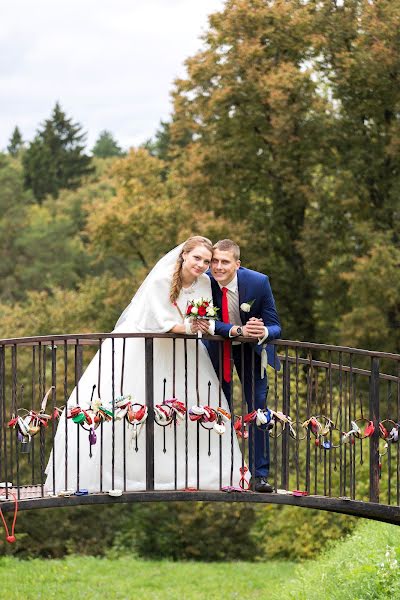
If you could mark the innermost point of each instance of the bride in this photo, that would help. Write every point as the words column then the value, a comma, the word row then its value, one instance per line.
column 185, row 455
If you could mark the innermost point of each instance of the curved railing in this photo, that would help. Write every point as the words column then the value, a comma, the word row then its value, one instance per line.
column 333, row 425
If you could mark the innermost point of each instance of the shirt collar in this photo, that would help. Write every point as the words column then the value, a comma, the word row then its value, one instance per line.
column 232, row 285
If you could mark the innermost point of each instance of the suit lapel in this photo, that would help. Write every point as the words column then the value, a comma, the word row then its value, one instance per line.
column 217, row 294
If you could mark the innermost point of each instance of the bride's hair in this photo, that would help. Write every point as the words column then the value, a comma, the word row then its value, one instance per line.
column 190, row 244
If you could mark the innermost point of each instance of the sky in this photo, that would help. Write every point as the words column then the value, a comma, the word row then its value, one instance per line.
column 110, row 63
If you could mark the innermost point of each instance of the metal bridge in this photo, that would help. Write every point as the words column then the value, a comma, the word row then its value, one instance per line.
column 332, row 420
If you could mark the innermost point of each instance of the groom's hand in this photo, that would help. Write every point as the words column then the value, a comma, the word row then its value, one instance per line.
column 255, row 328
column 204, row 325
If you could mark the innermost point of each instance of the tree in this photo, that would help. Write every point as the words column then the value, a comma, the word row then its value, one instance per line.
column 106, row 146
column 55, row 159
column 256, row 119
column 16, row 142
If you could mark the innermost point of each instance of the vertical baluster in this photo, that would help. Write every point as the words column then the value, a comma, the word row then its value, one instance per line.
column 175, row 417
column 252, row 426
column 149, row 385
column 331, row 417
column 99, row 390
column 317, row 448
column 398, row 443
column 374, row 439
column 113, row 413
column 121, row 391
column 14, row 394
column 309, row 396
column 42, row 392
column 297, row 422
column 326, row 412
column 65, row 394
column 266, row 439
column 197, row 423
column 77, row 377
column 3, row 420
column 286, row 433
column 186, row 413
column 33, row 398
column 347, row 419
column 53, row 405
column 342, row 423
column 389, row 449
column 220, row 375
column 352, row 415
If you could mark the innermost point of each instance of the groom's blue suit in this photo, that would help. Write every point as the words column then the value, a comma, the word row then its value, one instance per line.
column 252, row 286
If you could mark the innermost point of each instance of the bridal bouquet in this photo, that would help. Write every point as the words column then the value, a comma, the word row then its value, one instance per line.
column 201, row 308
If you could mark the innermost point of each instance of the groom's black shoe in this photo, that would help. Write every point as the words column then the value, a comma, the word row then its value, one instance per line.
column 262, row 485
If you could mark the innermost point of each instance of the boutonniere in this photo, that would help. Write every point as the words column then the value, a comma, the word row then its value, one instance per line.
column 246, row 306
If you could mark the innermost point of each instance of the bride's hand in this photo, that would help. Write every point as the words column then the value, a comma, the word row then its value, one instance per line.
column 194, row 326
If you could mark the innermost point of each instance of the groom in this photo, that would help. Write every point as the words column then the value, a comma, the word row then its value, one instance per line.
column 247, row 308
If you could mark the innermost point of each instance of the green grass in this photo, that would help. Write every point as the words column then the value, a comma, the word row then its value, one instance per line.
column 365, row 566
column 90, row 578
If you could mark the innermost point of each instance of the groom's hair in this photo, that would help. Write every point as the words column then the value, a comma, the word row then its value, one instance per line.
column 228, row 246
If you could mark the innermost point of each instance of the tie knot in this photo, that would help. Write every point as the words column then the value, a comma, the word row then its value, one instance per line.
column 224, row 290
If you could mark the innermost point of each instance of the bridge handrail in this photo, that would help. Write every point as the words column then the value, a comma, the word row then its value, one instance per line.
column 95, row 337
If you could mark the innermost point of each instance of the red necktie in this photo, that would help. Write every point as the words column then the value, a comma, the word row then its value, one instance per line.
column 227, row 344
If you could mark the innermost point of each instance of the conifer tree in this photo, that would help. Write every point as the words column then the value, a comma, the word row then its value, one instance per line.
column 16, row 142
column 106, row 146
column 55, row 159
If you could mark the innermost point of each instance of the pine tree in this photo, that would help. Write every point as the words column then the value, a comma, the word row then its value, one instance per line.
column 55, row 159
column 16, row 142
column 106, row 146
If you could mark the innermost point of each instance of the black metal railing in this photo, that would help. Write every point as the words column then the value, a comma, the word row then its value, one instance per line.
column 332, row 420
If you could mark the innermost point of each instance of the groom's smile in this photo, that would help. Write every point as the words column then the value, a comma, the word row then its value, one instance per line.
column 224, row 266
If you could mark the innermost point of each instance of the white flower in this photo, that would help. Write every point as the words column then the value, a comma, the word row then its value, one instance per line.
column 245, row 307
column 194, row 311
column 210, row 311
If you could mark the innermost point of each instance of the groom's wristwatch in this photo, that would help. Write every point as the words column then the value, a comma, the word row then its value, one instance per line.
column 239, row 331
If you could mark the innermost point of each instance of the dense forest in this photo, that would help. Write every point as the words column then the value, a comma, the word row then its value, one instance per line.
column 285, row 136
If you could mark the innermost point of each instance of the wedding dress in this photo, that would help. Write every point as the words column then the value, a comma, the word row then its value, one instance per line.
column 197, row 461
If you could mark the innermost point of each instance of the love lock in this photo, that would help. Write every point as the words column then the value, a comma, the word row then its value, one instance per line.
column 219, row 427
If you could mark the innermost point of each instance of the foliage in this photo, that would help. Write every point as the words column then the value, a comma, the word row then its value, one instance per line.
column 106, row 145
column 55, row 159
column 14, row 207
column 94, row 306
column 292, row 533
column 190, row 531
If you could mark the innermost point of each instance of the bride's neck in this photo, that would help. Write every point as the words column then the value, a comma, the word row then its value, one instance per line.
column 187, row 280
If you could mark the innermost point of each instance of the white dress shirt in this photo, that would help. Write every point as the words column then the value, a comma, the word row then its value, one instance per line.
column 233, row 306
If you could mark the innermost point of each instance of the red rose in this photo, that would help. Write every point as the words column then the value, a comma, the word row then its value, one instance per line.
column 206, row 304
column 189, row 309
column 202, row 311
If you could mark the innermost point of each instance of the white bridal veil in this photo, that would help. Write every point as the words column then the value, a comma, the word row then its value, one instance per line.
column 133, row 317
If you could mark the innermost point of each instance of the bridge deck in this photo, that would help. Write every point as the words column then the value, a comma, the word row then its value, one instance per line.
column 30, row 498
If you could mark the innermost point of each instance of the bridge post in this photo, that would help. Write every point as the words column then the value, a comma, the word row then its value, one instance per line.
column 149, row 385
column 285, row 434
column 374, row 439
